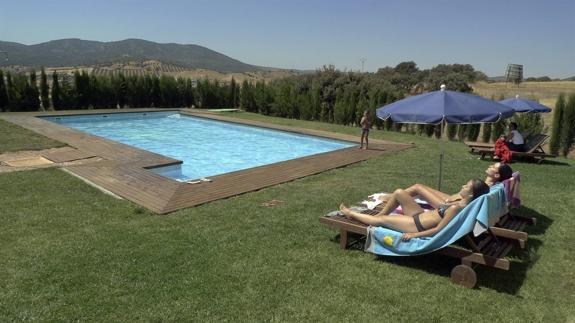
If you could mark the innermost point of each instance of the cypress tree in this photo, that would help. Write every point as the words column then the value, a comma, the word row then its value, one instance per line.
column 421, row 129
column 246, row 97
column 568, row 127
column 3, row 93
column 233, row 94
column 438, row 131
column 18, row 88
column 451, row 131
column 339, row 110
column 486, row 134
column 121, row 90
column 473, row 132
column 32, row 93
column 56, row 102
column 44, row 91
column 429, row 129
column 189, row 96
column 462, row 131
column 555, row 141
column 9, row 91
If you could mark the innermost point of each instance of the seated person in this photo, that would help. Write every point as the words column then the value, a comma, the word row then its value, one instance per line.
column 416, row 222
column 514, row 139
column 495, row 173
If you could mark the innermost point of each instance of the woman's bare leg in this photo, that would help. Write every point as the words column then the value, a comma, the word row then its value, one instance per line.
column 397, row 223
column 432, row 196
column 401, row 197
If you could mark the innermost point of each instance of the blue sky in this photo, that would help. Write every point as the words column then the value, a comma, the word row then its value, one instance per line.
column 487, row 34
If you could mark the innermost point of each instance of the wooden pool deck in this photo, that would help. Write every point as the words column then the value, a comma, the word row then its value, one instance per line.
column 124, row 169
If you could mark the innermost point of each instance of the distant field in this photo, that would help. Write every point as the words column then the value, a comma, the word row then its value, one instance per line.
column 544, row 92
column 151, row 67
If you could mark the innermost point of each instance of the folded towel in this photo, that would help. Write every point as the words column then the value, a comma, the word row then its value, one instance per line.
column 476, row 215
column 512, row 190
column 373, row 200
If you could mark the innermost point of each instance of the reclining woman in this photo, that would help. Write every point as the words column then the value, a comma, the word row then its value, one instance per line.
column 495, row 173
column 416, row 222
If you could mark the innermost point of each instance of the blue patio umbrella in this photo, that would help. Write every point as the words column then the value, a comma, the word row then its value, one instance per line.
column 441, row 107
column 524, row 105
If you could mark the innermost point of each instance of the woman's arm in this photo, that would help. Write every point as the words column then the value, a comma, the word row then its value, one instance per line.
column 449, row 215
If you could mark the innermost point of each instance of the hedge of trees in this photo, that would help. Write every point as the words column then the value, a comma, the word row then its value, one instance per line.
column 563, row 133
column 19, row 92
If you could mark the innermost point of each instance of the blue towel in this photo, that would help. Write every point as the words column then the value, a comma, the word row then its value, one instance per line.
column 387, row 242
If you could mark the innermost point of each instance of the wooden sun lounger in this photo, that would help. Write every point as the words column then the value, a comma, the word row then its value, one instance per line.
column 533, row 148
column 488, row 249
column 475, row 145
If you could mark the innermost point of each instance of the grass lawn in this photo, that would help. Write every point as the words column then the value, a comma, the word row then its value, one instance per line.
column 72, row 253
column 15, row 138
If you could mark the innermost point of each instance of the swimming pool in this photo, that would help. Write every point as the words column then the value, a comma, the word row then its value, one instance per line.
column 206, row 147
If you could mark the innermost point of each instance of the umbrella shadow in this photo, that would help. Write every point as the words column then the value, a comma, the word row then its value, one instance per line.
column 542, row 222
column 549, row 162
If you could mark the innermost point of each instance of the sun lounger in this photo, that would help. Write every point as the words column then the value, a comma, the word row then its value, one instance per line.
column 533, row 148
column 475, row 145
column 488, row 248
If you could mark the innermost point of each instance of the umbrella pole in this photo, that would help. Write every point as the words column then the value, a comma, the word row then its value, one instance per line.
column 440, row 157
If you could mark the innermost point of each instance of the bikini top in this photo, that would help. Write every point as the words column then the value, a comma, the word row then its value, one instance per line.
column 442, row 208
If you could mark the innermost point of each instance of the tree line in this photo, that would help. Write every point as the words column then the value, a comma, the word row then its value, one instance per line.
column 22, row 92
column 327, row 95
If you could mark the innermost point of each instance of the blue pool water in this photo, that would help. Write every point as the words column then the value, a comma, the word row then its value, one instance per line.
column 206, row 147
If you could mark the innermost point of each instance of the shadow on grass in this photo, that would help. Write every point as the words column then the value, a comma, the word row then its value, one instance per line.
column 542, row 162
column 510, row 282
column 503, row 281
column 527, row 160
column 555, row 163
column 542, row 224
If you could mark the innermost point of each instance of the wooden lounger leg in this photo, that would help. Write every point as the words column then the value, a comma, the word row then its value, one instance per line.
column 343, row 239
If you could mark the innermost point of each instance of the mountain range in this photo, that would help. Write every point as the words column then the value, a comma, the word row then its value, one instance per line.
column 78, row 52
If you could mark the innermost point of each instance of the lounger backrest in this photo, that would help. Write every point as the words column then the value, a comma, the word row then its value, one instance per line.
column 534, row 142
column 525, row 134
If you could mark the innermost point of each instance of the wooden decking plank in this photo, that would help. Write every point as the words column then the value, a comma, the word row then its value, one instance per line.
column 67, row 156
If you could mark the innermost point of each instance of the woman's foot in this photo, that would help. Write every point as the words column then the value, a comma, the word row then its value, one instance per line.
column 345, row 210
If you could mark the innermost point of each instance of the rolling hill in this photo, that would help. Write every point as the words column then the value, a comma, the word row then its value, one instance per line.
column 78, row 52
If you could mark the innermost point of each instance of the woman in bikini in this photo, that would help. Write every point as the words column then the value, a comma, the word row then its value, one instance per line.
column 495, row 173
column 416, row 222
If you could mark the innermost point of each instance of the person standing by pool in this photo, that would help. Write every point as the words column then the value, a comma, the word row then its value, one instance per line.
column 365, row 124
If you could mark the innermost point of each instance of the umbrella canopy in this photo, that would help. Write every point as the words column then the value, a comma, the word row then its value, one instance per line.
column 524, row 105
column 441, row 107
column 448, row 106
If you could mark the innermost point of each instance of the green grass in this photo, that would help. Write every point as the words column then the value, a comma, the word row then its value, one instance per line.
column 15, row 138
column 72, row 253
